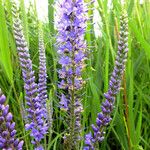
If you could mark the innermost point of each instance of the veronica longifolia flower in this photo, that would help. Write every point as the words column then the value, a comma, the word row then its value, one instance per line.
column 7, row 128
column 104, row 118
column 36, row 122
column 71, row 48
column 42, row 73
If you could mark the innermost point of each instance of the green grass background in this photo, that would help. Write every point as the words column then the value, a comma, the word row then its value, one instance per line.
column 130, row 127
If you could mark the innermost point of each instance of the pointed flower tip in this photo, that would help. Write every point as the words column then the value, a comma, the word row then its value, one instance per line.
column 2, row 99
column 63, row 103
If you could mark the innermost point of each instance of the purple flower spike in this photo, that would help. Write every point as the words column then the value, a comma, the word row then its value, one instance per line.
column 104, row 118
column 7, row 128
column 42, row 74
column 36, row 116
column 71, row 49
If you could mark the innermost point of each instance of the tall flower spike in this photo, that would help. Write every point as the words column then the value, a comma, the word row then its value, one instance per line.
column 36, row 123
column 71, row 48
column 104, row 118
column 42, row 88
column 7, row 127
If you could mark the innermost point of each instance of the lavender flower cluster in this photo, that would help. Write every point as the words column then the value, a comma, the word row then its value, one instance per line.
column 34, row 100
column 71, row 48
column 71, row 30
column 7, row 128
column 104, row 118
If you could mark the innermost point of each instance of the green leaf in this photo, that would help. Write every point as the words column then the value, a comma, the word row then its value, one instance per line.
column 144, row 44
column 5, row 58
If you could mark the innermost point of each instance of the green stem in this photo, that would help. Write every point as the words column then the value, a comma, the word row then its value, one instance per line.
column 126, row 110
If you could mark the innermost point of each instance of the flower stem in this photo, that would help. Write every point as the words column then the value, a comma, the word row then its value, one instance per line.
column 126, row 110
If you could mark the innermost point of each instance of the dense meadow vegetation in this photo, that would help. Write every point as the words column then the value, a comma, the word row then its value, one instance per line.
column 68, row 113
